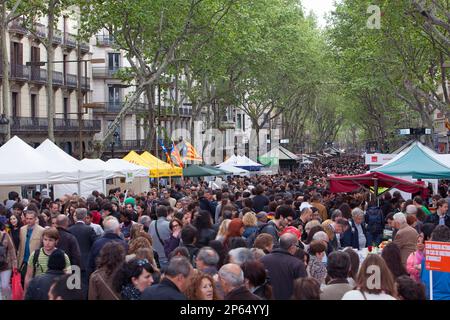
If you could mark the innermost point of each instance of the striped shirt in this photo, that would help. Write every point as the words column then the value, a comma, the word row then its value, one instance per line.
column 41, row 264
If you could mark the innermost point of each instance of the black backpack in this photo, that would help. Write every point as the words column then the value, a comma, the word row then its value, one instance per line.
column 374, row 220
column 3, row 256
column 35, row 261
column 251, row 239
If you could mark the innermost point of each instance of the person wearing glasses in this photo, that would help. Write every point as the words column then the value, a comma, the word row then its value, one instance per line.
column 173, row 242
column 135, row 276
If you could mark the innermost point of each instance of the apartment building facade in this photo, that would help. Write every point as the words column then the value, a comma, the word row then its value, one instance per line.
column 28, row 94
column 101, row 85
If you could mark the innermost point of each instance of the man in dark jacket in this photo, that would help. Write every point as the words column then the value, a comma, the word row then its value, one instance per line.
column 86, row 237
column 174, row 283
column 188, row 240
column 283, row 267
column 232, row 281
column 40, row 285
column 205, row 199
column 260, row 201
column 67, row 242
column 112, row 233
column 441, row 216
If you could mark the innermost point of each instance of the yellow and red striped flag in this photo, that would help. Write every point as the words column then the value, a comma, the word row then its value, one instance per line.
column 191, row 153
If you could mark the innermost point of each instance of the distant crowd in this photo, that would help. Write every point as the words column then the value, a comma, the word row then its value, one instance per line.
column 284, row 236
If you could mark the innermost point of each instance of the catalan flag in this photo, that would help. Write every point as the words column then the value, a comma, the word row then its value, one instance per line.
column 447, row 124
column 191, row 153
column 176, row 155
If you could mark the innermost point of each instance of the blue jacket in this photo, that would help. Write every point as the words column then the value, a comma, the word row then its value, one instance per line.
column 99, row 244
column 441, row 283
column 350, row 237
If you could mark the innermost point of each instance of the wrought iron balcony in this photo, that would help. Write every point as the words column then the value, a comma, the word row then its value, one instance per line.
column 84, row 46
column 104, row 72
column 41, row 30
column 16, row 26
column 104, row 40
column 71, row 80
column 57, row 37
column 19, row 72
column 128, row 145
column 38, row 75
column 31, row 125
column 85, row 83
column 70, row 40
column 57, row 78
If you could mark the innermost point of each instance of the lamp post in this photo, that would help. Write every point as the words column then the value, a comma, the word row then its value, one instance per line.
column 79, row 91
column 113, row 143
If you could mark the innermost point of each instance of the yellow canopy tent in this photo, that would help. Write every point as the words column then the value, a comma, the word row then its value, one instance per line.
column 154, row 171
column 163, row 168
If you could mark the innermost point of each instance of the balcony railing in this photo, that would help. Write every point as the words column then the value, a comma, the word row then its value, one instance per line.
column 70, row 40
column 57, row 36
column 57, row 78
column 104, row 40
column 17, row 27
column 71, row 80
column 26, row 124
column 104, row 72
column 86, row 83
column 84, row 46
column 41, row 30
column 19, row 72
column 128, row 145
column 38, row 75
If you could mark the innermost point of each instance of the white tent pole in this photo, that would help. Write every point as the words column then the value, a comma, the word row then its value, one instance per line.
column 79, row 188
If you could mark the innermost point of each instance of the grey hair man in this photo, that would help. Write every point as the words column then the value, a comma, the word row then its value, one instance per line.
column 173, row 284
column 240, row 255
column 232, row 281
column 207, row 260
column 406, row 236
column 112, row 233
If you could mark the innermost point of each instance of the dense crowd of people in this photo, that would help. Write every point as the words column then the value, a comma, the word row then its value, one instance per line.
column 260, row 237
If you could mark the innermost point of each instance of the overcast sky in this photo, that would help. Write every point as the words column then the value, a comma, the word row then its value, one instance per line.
column 320, row 8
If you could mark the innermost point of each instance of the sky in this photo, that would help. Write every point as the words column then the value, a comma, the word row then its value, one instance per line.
column 319, row 7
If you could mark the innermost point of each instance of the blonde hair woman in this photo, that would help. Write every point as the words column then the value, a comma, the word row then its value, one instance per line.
column 250, row 224
column 223, row 230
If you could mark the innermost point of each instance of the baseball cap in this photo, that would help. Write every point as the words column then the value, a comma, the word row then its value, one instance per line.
column 305, row 205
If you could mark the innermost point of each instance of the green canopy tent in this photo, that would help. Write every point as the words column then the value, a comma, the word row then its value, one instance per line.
column 418, row 162
column 202, row 171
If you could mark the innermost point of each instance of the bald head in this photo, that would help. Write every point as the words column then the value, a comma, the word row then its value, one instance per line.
column 231, row 276
column 62, row 221
column 288, row 240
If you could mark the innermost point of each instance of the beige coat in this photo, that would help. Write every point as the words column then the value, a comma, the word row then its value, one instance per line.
column 35, row 241
column 406, row 240
column 10, row 250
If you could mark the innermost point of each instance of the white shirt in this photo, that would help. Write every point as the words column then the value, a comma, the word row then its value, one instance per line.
column 357, row 295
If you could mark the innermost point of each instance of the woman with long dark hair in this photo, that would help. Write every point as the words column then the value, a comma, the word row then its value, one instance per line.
column 391, row 254
column 256, row 279
column 134, row 277
column 205, row 232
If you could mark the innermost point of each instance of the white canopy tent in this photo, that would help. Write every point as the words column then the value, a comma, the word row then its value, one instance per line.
column 122, row 168
column 234, row 170
column 20, row 164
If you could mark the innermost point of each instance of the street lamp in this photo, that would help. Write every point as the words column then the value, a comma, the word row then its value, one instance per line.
column 113, row 143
